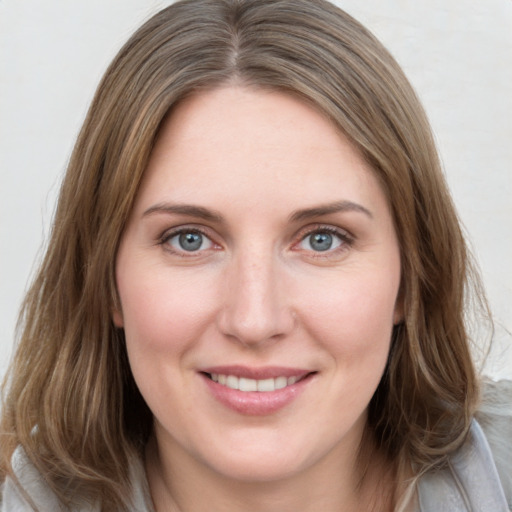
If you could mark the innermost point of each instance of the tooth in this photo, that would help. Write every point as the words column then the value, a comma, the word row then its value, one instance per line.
column 281, row 382
column 266, row 385
column 247, row 384
column 232, row 382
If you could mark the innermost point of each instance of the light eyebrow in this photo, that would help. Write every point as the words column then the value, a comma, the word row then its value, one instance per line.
column 326, row 209
column 184, row 209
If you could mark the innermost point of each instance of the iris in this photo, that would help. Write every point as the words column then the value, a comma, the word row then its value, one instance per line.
column 321, row 241
column 190, row 241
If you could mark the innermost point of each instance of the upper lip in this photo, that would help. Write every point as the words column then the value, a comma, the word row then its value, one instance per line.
column 257, row 373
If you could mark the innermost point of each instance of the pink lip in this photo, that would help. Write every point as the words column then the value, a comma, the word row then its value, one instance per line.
column 255, row 403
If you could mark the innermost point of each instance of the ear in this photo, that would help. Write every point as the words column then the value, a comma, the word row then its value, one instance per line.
column 398, row 313
column 117, row 318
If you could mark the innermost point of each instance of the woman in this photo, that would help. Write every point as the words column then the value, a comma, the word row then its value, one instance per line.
column 255, row 285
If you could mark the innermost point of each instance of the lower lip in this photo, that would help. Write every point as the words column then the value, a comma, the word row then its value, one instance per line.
column 256, row 403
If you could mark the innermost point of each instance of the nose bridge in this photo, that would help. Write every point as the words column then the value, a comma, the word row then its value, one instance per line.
column 256, row 306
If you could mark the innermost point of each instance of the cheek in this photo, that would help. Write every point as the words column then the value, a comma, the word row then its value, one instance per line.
column 163, row 313
column 163, row 317
column 354, row 315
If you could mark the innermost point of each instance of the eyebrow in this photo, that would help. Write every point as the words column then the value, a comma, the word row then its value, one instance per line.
column 337, row 207
column 184, row 209
column 297, row 216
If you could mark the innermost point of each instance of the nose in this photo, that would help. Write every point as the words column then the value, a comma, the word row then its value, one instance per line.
column 256, row 306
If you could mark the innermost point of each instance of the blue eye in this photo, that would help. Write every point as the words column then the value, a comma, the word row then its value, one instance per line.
column 189, row 241
column 321, row 241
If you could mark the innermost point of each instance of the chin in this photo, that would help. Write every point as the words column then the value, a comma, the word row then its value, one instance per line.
column 258, row 471
column 260, row 462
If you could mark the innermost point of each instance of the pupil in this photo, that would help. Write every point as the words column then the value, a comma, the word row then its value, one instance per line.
column 190, row 241
column 321, row 241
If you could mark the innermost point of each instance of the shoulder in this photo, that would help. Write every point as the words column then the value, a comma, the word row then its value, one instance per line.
column 478, row 475
column 28, row 491
column 495, row 418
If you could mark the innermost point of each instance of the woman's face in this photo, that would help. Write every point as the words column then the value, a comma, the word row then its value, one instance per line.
column 258, row 279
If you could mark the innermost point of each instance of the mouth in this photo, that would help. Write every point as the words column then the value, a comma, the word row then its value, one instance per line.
column 256, row 391
column 245, row 384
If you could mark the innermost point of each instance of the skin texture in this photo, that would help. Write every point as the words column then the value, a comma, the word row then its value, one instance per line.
column 256, row 293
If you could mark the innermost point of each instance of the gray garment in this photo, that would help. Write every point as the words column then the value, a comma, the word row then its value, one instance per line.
column 11, row 500
column 470, row 483
column 478, row 477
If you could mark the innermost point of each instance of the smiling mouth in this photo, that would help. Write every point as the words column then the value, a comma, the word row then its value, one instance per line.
column 258, row 385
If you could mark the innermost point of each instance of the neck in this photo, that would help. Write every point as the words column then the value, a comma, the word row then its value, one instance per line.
column 192, row 487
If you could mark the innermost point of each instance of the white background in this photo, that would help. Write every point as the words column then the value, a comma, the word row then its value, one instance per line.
column 457, row 53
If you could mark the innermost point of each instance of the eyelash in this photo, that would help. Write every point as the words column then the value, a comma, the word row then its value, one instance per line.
column 169, row 235
column 346, row 239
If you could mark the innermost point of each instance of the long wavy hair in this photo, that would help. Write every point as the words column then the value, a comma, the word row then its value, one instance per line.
column 70, row 400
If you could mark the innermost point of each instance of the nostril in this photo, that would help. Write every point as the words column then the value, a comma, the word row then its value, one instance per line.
column 256, row 325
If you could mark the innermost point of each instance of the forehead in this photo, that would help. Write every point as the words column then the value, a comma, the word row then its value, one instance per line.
column 240, row 142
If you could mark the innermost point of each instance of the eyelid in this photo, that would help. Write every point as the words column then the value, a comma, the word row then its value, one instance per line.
column 345, row 236
column 170, row 233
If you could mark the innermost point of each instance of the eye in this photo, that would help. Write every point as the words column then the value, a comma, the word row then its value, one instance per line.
column 187, row 241
column 323, row 240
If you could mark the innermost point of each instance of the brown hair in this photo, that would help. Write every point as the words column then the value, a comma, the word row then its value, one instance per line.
column 70, row 399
